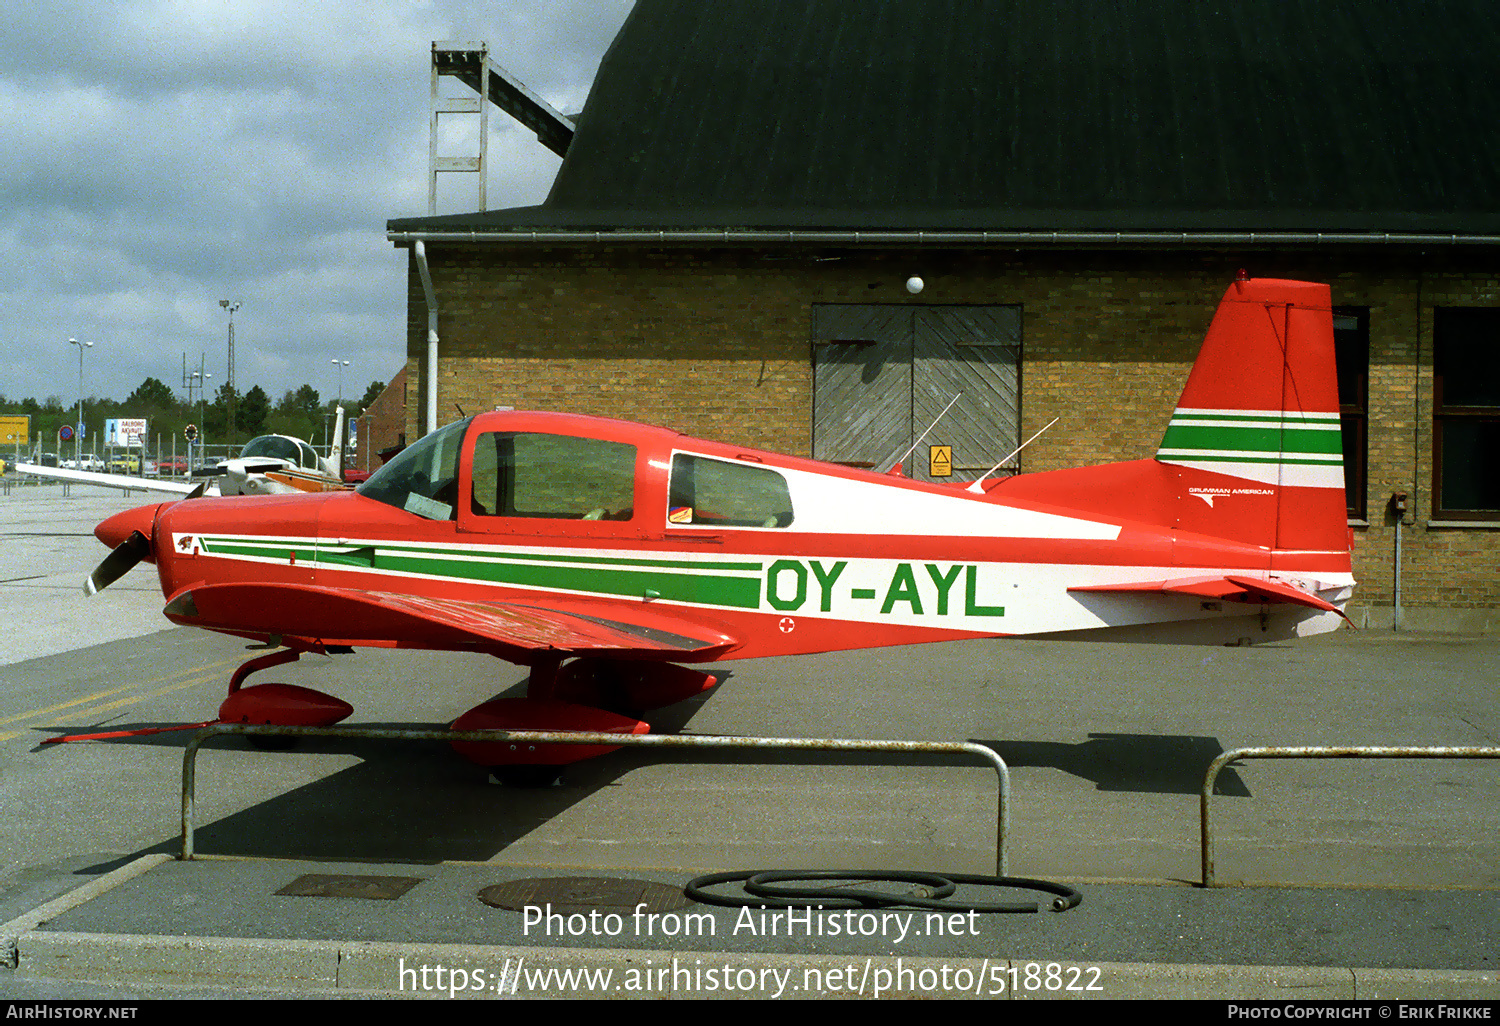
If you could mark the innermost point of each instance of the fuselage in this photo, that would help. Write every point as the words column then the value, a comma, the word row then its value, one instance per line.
column 786, row 555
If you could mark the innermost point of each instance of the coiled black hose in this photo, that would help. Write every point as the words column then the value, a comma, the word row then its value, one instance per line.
column 762, row 886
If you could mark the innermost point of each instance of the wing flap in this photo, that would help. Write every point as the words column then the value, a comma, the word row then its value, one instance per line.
column 513, row 630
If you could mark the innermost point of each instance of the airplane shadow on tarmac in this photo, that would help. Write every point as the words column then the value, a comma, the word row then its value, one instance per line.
column 1150, row 763
column 418, row 802
column 413, row 802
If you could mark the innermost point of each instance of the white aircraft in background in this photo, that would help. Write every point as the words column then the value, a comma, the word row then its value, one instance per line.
column 267, row 465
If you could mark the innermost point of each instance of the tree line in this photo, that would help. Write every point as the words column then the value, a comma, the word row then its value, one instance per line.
column 301, row 413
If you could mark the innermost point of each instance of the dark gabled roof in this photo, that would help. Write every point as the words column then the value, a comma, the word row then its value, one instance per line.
column 1113, row 115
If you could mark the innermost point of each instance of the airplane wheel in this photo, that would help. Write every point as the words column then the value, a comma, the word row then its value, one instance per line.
column 530, row 777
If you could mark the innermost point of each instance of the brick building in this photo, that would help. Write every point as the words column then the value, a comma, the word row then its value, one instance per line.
column 382, row 424
column 727, row 247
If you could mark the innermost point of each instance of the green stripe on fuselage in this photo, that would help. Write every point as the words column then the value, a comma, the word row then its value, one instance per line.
column 718, row 584
column 708, row 589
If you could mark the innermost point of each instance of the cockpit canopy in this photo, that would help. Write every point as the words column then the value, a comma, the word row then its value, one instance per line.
column 544, row 475
column 280, row 447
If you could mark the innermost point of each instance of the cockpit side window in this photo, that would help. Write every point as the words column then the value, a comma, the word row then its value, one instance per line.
column 556, row 477
column 424, row 478
column 722, row 493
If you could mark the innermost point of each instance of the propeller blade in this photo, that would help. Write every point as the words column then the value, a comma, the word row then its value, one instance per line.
column 197, row 493
column 118, row 563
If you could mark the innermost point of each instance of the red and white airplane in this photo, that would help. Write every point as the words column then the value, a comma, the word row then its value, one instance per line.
column 609, row 557
column 266, row 465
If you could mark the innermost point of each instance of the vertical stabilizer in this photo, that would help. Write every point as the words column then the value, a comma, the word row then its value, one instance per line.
column 334, row 465
column 1255, row 437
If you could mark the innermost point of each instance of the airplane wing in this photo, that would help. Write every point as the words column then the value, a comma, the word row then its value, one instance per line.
column 510, row 629
column 123, row 481
column 1231, row 588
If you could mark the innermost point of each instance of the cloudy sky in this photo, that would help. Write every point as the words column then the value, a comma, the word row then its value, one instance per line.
column 158, row 156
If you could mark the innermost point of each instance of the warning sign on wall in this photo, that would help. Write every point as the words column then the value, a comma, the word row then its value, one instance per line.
column 940, row 460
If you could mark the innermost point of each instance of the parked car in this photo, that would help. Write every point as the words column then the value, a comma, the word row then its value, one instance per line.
column 174, row 468
column 125, row 464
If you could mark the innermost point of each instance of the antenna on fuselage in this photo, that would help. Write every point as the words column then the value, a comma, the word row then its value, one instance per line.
column 980, row 491
column 924, row 434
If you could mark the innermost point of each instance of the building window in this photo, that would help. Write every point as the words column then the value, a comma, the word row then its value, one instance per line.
column 1351, row 345
column 1466, row 413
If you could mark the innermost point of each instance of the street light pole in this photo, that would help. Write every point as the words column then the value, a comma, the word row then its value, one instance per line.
column 340, row 364
column 231, row 305
column 78, row 431
column 202, row 378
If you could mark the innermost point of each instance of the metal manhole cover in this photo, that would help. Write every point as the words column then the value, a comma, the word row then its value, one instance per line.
column 569, row 894
column 379, row 888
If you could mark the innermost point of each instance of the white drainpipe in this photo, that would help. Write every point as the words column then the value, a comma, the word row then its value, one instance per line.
column 430, row 420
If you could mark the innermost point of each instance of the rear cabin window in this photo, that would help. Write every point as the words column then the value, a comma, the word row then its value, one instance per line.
column 556, row 477
column 721, row 493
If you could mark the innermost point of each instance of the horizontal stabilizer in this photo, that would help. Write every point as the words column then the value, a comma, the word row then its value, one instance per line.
column 1230, row 588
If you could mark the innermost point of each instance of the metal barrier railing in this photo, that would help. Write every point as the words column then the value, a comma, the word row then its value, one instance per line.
column 1002, row 815
column 1317, row 752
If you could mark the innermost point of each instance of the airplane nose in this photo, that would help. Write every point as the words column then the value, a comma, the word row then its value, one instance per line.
column 116, row 529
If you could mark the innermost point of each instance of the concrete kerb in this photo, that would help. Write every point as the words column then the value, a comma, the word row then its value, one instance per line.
column 11, row 932
column 421, row 969
column 479, row 971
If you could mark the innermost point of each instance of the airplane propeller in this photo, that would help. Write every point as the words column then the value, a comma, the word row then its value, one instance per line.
column 129, row 534
column 118, row 563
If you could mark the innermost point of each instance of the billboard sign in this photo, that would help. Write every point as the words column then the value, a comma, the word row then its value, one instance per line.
column 127, row 431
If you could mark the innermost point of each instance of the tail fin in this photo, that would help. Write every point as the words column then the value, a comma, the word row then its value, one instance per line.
column 336, row 451
column 1255, row 437
column 1253, row 452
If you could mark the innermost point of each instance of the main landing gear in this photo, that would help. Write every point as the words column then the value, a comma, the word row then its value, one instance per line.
column 591, row 693
column 286, row 705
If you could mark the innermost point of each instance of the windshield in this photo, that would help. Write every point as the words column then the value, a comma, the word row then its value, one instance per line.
column 273, row 447
column 424, row 478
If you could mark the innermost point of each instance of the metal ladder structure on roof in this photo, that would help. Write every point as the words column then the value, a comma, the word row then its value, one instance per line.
column 470, row 63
